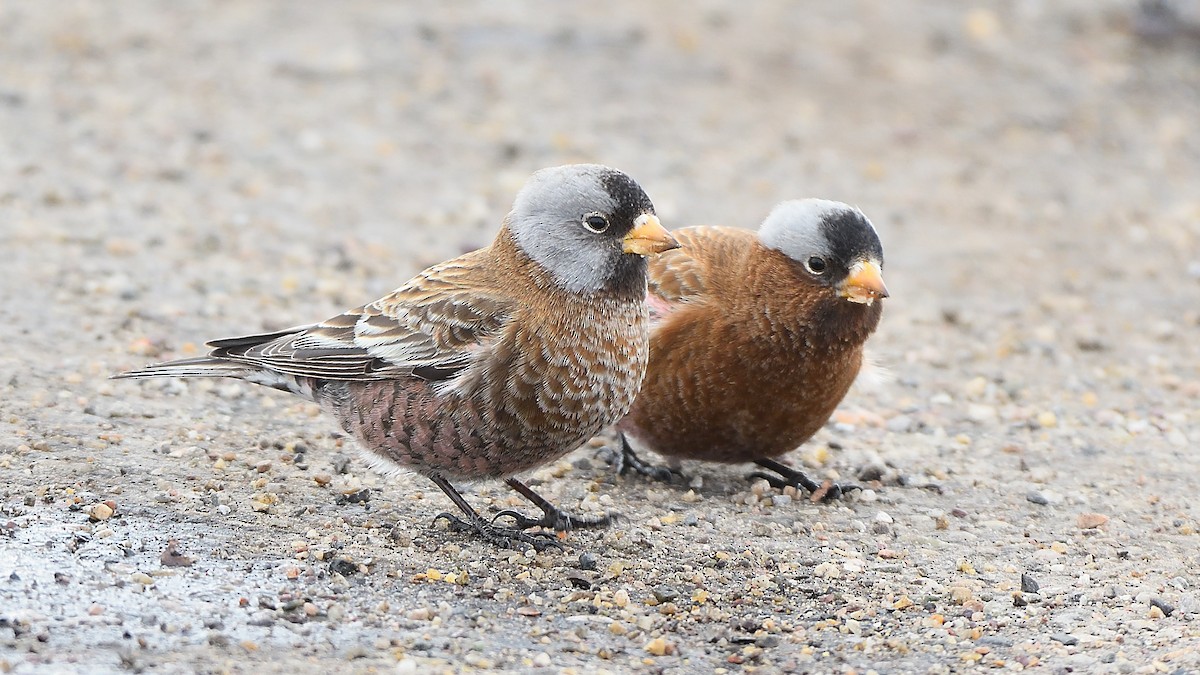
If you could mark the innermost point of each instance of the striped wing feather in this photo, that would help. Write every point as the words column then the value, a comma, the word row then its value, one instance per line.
column 431, row 327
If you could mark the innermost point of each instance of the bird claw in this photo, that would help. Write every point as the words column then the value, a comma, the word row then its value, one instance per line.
column 627, row 460
column 555, row 520
column 785, row 476
column 831, row 491
column 498, row 535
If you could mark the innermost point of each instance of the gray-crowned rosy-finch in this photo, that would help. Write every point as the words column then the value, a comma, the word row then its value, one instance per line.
column 492, row 363
column 756, row 337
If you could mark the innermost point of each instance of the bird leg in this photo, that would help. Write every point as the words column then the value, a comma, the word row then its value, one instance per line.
column 552, row 518
column 629, row 461
column 497, row 535
column 785, row 475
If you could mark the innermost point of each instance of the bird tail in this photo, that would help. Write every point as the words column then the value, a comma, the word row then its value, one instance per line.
column 202, row 366
column 215, row 366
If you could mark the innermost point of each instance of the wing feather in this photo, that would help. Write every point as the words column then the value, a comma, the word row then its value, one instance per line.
column 688, row 273
column 432, row 327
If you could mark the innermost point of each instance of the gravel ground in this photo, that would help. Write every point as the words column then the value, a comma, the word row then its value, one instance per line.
column 177, row 171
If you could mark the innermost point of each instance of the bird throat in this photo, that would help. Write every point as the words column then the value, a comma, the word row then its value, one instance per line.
column 837, row 322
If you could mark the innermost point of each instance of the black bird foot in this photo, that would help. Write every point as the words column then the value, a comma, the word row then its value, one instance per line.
column 628, row 461
column 552, row 517
column 785, row 475
column 497, row 535
column 556, row 520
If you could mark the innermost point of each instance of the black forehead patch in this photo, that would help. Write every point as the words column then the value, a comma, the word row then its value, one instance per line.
column 851, row 236
column 631, row 200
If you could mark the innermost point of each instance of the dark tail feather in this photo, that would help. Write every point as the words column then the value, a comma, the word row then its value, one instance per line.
column 246, row 341
column 202, row 366
column 215, row 366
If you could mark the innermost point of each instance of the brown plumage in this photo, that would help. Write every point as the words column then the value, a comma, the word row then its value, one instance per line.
column 489, row 364
column 756, row 337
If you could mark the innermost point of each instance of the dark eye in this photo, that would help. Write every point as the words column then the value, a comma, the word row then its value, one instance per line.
column 595, row 223
column 816, row 265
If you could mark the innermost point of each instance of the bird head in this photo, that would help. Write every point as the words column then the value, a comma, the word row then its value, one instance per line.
column 589, row 226
column 833, row 242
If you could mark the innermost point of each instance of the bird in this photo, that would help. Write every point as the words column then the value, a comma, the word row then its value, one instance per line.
column 490, row 364
column 755, row 339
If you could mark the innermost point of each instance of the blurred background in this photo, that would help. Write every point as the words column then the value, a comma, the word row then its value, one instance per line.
column 324, row 152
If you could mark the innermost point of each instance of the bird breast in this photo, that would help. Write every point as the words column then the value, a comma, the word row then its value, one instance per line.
column 580, row 374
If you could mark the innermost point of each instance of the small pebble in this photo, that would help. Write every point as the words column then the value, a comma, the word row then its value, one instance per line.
column 420, row 614
column 1037, row 498
column 665, row 593
column 1161, row 604
column 343, row 566
column 1029, row 584
column 99, row 512
column 871, row 472
column 768, row 641
column 353, row 497
column 660, row 647
column 171, row 557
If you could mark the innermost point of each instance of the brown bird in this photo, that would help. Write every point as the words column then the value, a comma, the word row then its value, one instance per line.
column 489, row 364
column 756, row 338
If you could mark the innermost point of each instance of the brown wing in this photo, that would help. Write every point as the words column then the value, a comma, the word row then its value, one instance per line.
column 690, row 271
column 432, row 327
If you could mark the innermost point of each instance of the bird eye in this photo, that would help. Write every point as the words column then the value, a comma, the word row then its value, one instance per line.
column 595, row 223
column 816, row 265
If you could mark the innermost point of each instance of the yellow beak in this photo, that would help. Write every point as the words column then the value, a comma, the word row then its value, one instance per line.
column 648, row 237
column 865, row 283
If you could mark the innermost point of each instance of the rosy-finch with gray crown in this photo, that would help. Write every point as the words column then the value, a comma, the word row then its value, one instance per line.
column 492, row 363
column 756, row 337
